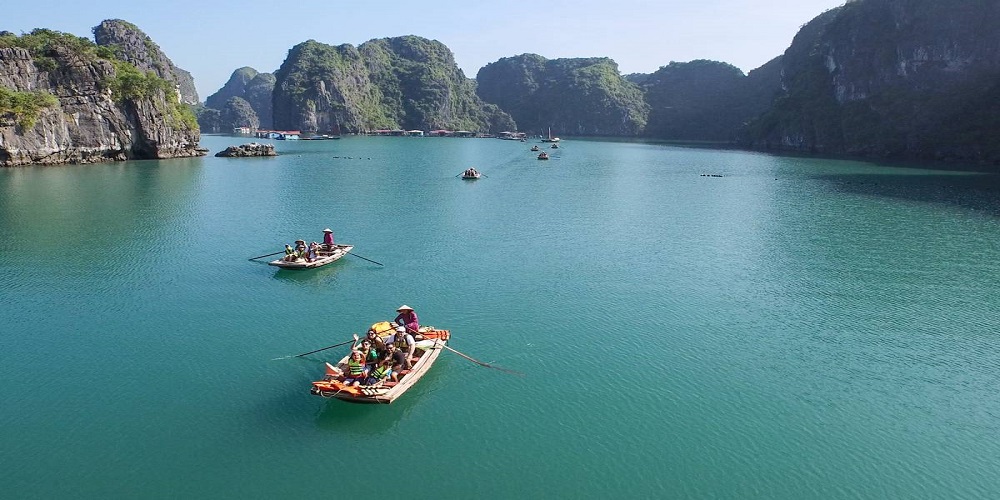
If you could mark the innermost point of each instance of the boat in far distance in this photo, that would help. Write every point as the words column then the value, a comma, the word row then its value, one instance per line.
column 323, row 257
column 543, row 156
column 535, row 148
column 551, row 139
column 555, row 146
column 471, row 174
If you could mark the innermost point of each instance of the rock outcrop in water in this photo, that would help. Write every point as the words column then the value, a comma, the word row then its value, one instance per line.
column 405, row 82
column 131, row 45
column 64, row 99
column 248, row 150
column 570, row 96
column 891, row 78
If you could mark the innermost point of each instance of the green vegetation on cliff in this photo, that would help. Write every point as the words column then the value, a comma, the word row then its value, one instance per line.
column 25, row 106
column 572, row 96
column 125, row 83
column 404, row 82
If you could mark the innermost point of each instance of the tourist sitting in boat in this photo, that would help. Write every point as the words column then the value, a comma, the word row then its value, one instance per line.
column 301, row 252
column 356, row 370
column 369, row 353
column 313, row 252
column 408, row 318
column 328, row 239
column 404, row 342
column 376, row 341
column 289, row 253
column 399, row 361
column 380, row 372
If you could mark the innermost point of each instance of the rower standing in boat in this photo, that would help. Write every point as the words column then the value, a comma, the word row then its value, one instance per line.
column 328, row 239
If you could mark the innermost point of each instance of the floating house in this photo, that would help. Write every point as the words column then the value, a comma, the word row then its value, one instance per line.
column 281, row 135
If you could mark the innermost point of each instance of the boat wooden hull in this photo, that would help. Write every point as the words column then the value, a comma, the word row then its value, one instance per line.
column 323, row 259
column 470, row 177
column 332, row 386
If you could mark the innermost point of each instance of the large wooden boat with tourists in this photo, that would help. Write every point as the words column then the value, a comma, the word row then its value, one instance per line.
column 427, row 350
column 324, row 256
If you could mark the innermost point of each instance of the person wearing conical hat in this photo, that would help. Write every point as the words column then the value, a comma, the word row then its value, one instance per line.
column 328, row 239
column 407, row 317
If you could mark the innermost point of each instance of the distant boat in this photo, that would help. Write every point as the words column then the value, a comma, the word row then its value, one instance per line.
column 535, row 148
column 551, row 139
column 471, row 174
column 323, row 257
column 555, row 146
column 543, row 156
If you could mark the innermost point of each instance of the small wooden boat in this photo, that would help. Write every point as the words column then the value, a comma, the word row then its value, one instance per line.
column 555, row 146
column 472, row 176
column 535, row 148
column 427, row 351
column 323, row 257
column 543, row 156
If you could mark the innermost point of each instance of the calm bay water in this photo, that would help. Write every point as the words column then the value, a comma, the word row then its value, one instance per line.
column 798, row 328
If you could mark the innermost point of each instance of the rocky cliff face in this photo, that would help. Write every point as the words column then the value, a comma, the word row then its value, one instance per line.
column 249, row 86
column 892, row 78
column 91, row 118
column 405, row 82
column 704, row 100
column 133, row 46
column 572, row 96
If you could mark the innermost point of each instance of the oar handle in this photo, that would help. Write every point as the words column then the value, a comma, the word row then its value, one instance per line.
column 267, row 255
column 325, row 348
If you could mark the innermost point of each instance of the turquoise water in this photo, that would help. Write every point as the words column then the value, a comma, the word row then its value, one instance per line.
column 798, row 328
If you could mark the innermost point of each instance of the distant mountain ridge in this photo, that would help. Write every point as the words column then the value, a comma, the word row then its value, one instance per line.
column 244, row 101
column 583, row 96
column 405, row 82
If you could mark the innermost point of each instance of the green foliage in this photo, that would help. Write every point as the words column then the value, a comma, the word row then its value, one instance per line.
column 129, row 83
column 584, row 96
column 405, row 82
column 42, row 44
column 25, row 106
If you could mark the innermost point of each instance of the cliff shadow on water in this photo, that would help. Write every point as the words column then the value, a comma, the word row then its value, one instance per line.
column 979, row 192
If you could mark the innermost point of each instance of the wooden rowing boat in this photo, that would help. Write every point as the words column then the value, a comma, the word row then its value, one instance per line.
column 427, row 351
column 323, row 257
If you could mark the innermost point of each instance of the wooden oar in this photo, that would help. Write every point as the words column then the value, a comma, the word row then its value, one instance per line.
column 268, row 255
column 480, row 363
column 327, row 347
column 364, row 258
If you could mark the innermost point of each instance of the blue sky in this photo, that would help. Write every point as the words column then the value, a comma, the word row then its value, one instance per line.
column 211, row 39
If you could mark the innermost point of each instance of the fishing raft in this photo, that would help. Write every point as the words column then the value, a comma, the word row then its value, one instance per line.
column 427, row 351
